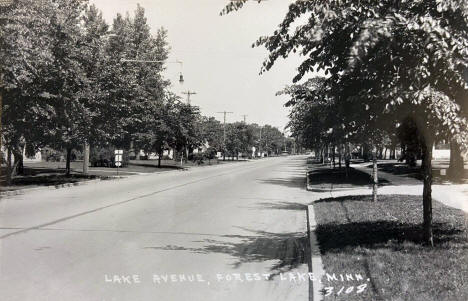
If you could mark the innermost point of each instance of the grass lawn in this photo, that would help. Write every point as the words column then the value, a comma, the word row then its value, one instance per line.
column 403, row 169
column 45, row 180
column 324, row 177
column 381, row 241
column 43, row 173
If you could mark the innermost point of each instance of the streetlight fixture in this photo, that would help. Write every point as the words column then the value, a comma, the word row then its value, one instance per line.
column 181, row 76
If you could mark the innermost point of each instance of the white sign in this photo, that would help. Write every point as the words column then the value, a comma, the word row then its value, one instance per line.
column 118, row 158
column 118, row 152
column 118, row 164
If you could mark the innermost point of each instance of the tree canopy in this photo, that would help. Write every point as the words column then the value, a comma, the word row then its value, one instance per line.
column 384, row 61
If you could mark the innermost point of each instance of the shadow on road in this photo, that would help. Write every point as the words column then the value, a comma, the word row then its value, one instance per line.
column 293, row 182
column 283, row 206
column 289, row 250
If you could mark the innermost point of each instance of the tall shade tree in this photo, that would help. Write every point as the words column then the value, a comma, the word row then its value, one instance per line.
column 136, row 89
column 401, row 58
column 95, row 33
column 39, row 65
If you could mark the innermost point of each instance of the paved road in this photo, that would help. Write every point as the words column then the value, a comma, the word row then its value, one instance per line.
column 83, row 243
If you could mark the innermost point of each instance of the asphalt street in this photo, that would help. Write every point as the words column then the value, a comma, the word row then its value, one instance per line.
column 227, row 232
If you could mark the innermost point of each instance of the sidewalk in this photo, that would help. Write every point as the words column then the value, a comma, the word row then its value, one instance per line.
column 453, row 195
column 381, row 241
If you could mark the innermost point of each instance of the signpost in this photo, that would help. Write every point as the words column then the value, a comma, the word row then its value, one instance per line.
column 118, row 159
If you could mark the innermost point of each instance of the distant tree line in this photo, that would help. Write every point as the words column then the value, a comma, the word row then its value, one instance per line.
column 67, row 84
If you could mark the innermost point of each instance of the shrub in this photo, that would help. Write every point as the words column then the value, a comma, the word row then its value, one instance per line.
column 105, row 157
column 52, row 155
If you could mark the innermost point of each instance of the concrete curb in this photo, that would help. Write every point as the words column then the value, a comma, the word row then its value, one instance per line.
column 315, row 257
column 51, row 187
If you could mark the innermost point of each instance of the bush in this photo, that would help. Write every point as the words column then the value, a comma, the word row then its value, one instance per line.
column 198, row 157
column 211, row 153
column 105, row 156
column 52, row 155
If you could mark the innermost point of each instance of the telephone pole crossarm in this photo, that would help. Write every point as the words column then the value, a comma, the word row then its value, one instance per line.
column 224, row 132
column 189, row 93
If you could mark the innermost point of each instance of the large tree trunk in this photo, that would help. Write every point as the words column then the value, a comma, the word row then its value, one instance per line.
column 381, row 153
column 347, row 159
column 340, row 154
column 327, row 156
column 86, row 158
column 18, row 167
column 160, row 154
column 333, row 156
column 427, row 191
column 365, row 153
column 456, row 168
column 9, row 170
column 67, row 166
column 375, row 178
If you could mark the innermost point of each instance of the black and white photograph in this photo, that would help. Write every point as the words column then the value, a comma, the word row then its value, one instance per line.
column 233, row 150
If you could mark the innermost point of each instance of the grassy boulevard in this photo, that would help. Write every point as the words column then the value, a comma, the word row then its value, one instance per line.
column 37, row 174
column 381, row 242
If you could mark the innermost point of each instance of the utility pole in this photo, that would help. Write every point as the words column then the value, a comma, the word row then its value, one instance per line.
column 244, row 117
column 189, row 93
column 224, row 133
column 86, row 150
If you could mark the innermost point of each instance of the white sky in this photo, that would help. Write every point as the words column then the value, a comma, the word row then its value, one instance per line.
column 218, row 61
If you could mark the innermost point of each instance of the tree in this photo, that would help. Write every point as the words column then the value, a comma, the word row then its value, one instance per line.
column 188, row 129
column 136, row 90
column 43, row 78
column 239, row 139
column 404, row 59
column 94, row 61
column 212, row 133
column 67, row 81
column 66, row 84
column 457, row 165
